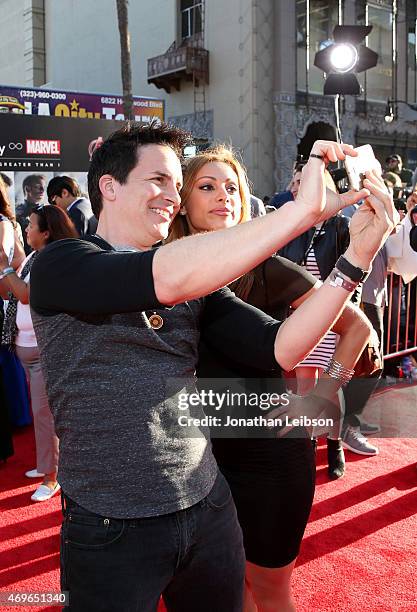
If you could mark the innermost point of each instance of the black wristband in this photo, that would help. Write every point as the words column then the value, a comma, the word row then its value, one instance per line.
column 317, row 156
column 344, row 266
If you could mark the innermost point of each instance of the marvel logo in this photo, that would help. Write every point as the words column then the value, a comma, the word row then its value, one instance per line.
column 43, row 147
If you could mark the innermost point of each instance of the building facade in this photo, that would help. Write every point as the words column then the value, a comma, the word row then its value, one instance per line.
column 239, row 71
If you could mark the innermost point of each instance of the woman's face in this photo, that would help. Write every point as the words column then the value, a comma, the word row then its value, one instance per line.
column 214, row 202
column 36, row 239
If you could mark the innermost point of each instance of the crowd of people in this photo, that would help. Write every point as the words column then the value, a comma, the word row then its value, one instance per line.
column 172, row 285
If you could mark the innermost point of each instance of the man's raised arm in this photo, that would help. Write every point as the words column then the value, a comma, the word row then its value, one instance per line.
column 198, row 265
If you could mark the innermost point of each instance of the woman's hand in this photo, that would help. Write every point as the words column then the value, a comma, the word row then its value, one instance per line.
column 311, row 406
column 372, row 223
column 319, row 203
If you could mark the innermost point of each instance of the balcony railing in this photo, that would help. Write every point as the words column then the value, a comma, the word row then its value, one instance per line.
column 178, row 64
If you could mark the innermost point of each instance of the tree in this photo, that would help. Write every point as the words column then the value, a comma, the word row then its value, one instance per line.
column 122, row 18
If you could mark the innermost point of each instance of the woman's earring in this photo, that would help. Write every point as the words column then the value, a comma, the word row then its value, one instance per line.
column 183, row 211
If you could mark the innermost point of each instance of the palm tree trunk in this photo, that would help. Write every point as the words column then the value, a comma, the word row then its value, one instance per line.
column 122, row 18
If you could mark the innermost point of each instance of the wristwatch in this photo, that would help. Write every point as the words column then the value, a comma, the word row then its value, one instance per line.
column 357, row 275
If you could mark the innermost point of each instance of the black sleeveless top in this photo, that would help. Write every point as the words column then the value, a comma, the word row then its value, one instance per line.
column 278, row 282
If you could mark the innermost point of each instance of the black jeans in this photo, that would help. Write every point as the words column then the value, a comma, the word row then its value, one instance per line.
column 193, row 557
column 358, row 391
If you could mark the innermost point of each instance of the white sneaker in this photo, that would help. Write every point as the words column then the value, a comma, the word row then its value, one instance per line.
column 355, row 441
column 43, row 493
column 34, row 474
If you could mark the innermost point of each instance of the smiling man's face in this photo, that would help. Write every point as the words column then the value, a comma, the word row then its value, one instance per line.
column 149, row 200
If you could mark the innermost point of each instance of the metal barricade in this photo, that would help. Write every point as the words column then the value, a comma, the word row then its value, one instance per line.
column 400, row 325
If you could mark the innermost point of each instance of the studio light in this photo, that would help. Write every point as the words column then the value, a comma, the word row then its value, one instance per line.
column 344, row 57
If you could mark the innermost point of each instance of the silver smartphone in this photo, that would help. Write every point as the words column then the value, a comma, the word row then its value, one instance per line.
column 357, row 166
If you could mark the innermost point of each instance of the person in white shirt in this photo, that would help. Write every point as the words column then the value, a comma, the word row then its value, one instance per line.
column 46, row 224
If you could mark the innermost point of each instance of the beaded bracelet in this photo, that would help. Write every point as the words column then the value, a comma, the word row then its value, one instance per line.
column 338, row 372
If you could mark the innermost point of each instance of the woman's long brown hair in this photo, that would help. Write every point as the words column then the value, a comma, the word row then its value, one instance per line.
column 56, row 222
column 5, row 206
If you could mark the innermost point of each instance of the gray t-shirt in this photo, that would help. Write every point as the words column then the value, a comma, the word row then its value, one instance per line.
column 122, row 450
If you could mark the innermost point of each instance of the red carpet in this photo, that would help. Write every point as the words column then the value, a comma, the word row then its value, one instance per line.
column 359, row 553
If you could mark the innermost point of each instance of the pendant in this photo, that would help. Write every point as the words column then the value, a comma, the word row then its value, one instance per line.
column 156, row 321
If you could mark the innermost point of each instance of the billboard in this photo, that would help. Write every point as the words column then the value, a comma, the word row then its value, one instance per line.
column 42, row 147
column 79, row 105
column 29, row 143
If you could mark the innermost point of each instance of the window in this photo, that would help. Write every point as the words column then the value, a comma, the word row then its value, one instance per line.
column 379, row 79
column 316, row 20
column 411, row 53
column 301, row 35
column 323, row 19
column 191, row 17
column 377, row 82
column 411, row 65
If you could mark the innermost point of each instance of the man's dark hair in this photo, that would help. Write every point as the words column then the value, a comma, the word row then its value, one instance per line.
column 119, row 153
column 57, row 184
column 318, row 130
column 31, row 180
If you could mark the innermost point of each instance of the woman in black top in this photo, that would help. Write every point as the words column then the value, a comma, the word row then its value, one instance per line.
column 272, row 480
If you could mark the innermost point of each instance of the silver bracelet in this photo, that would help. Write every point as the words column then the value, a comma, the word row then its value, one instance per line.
column 6, row 272
column 338, row 372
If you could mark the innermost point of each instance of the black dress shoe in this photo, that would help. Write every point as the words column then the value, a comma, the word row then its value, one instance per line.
column 335, row 459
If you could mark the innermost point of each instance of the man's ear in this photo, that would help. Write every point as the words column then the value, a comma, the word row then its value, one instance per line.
column 106, row 185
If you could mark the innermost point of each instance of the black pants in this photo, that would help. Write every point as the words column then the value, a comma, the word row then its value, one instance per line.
column 193, row 557
column 359, row 390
